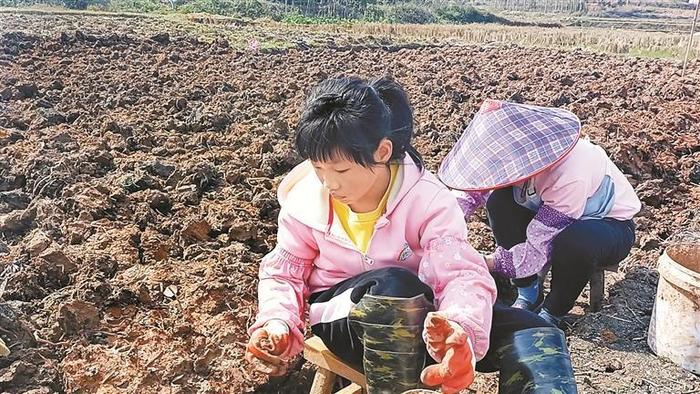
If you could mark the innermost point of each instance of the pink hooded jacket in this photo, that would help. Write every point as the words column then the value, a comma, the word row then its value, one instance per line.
column 423, row 230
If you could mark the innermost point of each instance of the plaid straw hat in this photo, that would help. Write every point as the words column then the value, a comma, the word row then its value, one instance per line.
column 506, row 143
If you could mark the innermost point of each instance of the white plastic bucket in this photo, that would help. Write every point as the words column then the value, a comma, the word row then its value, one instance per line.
column 674, row 330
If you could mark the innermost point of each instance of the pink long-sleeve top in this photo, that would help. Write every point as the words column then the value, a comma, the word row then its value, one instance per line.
column 585, row 185
column 422, row 230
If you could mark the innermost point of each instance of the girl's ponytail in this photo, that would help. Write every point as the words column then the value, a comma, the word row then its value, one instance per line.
column 401, row 118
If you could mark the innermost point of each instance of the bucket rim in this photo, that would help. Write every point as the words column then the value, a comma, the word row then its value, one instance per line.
column 678, row 275
column 683, row 268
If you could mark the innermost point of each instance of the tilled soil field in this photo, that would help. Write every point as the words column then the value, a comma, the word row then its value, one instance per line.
column 138, row 171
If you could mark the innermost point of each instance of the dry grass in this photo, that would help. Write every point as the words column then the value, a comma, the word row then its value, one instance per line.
column 620, row 41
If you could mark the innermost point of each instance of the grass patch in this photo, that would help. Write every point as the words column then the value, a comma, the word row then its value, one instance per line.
column 654, row 53
column 237, row 8
column 296, row 18
column 458, row 15
column 143, row 6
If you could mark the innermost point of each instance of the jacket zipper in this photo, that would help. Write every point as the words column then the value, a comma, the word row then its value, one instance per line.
column 365, row 260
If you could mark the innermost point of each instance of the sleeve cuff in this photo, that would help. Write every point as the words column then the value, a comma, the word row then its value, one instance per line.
column 503, row 262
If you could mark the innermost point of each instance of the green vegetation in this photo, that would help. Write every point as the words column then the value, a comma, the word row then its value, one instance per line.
column 305, row 12
column 238, row 8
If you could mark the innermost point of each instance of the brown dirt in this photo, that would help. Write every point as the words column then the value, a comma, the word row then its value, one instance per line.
column 686, row 255
column 137, row 193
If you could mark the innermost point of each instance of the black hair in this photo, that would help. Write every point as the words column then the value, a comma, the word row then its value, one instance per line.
column 349, row 117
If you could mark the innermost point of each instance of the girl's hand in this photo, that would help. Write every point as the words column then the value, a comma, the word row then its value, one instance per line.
column 449, row 342
column 266, row 345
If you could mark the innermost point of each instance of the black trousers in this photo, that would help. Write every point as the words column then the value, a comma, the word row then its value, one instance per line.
column 576, row 252
column 340, row 338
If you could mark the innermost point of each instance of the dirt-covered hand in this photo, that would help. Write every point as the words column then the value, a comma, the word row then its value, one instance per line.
column 265, row 347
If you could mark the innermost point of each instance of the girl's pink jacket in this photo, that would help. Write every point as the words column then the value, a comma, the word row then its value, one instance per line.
column 423, row 230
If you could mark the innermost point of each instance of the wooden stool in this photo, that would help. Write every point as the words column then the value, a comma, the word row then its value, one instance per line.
column 597, row 286
column 329, row 368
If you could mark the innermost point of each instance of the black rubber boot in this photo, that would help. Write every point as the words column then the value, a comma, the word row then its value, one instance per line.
column 390, row 329
column 535, row 360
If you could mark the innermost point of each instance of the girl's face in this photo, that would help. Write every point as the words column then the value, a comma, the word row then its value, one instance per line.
column 351, row 183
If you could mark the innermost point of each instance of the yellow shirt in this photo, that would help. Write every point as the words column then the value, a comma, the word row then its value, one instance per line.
column 360, row 226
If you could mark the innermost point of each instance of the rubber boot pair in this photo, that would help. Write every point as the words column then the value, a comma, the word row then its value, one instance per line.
column 534, row 360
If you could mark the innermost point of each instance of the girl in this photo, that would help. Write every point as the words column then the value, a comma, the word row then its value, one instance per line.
column 377, row 246
column 558, row 200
